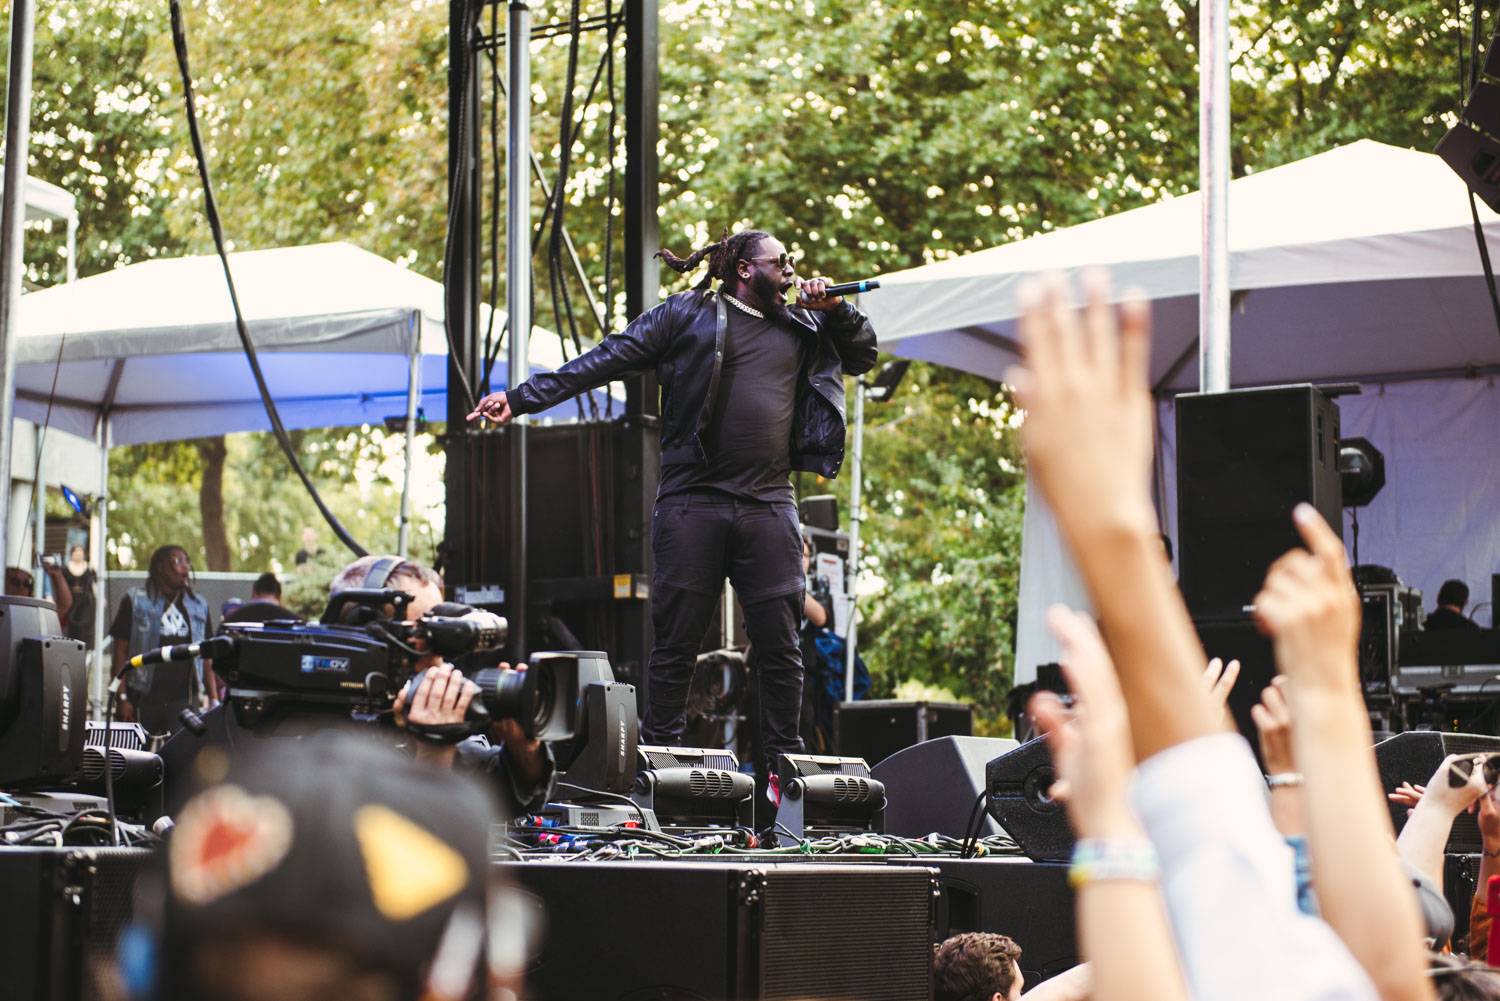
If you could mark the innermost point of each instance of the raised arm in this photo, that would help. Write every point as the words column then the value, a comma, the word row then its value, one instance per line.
column 1088, row 440
column 1311, row 611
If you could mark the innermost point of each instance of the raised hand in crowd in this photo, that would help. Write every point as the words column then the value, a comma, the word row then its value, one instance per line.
column 1425, row 834
column 1273, row 724
column 1480, row 919
column 1219, row 679
column 1122, row 921
column 1311, row 611
column 1088, row 441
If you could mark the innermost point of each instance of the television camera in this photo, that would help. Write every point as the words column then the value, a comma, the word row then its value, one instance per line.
column 364, row 651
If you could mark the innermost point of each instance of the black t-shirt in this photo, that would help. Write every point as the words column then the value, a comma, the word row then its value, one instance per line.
column 749, row 433
column 1447, row 618
column 260, row 611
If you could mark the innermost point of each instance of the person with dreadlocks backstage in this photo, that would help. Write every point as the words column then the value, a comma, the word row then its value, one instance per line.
column 751, row 389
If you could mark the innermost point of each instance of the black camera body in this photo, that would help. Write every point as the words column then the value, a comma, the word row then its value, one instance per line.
column 276, row 663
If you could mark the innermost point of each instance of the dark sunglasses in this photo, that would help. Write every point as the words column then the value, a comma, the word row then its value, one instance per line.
column 782, row 261
column 1460, row 770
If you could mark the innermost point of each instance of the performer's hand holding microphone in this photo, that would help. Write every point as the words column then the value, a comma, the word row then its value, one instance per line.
column 819, row 294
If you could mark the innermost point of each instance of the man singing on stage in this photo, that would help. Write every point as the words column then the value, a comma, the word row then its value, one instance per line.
column 750, row 390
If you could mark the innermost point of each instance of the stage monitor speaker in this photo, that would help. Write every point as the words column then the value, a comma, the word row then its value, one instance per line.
column 932, row 786
column 1244, row 459
column 731, row 931
column 1413, row 757
column 1031, row 902
column 1018, row 782
column 874, row 729
column 62, row 910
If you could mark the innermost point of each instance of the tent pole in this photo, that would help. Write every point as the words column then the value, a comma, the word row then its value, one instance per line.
column 413, row 393
column 851, row 576
column 12, row 244
column 518, row 299
column 39, row 513
column 73, row 247
column 100, row 556
column 1213, row 187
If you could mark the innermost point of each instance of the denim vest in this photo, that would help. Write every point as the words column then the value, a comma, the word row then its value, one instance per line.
column 146, row 608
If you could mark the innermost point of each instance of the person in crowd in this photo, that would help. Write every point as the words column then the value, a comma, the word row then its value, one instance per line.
column 751, row 389
column 81, row 582
column 1458, row 979
column 326, row 868
column 264, row 604
column 1449, row 613
column 977, row 966
column 522, row 768
column 309, row 546
column 1226, row 875
column 165, row 611
column 20, row 583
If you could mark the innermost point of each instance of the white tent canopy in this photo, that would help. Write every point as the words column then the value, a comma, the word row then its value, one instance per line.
column 1358, row 264
column 153, row 345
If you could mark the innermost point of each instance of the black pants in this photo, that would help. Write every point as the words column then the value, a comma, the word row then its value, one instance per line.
column 699, row 538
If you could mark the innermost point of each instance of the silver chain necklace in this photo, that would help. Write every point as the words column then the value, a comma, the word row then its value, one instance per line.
column 744, row 308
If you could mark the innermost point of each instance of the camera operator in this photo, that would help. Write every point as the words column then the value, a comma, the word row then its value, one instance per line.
column 522, row 767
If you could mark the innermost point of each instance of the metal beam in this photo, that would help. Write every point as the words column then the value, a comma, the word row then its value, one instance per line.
column 1213, row 190
column 642, row 130
column 518, row 303
column 12, row 242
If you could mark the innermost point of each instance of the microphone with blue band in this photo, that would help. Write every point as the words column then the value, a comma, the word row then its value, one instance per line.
column 853, row 288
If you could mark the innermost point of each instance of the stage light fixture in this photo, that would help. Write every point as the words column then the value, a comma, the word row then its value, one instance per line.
column 1361, row 471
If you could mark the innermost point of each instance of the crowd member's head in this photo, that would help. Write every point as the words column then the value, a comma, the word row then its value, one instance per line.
column 977, row 966
column 169, row 571
column 325, row 868
column 19, row 582
column 1454, row 978
column 1453, row 594
column 266, row 588
column 421, row 582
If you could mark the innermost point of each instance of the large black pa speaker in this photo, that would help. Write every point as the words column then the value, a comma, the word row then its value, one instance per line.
column 1413, row 757
column 695, row 931
column 61, row 912
column 1031, row 902
column 874, row 729
column 932, row 786
column 1018, row 782
column 1244, row 459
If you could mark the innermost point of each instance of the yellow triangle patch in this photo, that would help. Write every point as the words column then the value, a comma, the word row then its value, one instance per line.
column 410, row 869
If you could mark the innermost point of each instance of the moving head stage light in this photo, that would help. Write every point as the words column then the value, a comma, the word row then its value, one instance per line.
column 363, row 652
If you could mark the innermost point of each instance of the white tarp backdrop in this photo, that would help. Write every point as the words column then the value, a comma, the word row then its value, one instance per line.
column 1358, row 264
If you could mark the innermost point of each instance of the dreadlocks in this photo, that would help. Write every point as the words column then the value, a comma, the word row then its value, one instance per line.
column 156, row 569
column 721, row 257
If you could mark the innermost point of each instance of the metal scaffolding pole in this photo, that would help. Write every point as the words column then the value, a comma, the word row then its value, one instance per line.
column 851, row 576
column 518, row 297
column 1213, row 187
column 12, row 244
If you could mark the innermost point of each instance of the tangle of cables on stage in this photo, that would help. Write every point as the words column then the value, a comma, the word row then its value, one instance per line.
column 537, row 837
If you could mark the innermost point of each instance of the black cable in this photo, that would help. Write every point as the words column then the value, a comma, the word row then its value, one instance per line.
column 459, row 120
column 602, row 794
column 109, row 729
column 971, row 829
column 489, row 329
column 179, row 44
column 609, row 197
column 568, row 135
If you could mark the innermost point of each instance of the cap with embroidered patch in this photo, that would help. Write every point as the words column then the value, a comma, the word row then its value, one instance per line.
column 330, row 841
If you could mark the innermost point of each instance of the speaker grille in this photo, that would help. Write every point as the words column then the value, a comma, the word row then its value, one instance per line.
column 851, row 790
column 832, row 936
column 710, row 784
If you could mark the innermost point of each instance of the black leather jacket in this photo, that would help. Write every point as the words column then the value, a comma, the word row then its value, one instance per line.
column 683, row 339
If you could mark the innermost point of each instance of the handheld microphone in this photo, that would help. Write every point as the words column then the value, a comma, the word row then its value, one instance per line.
column 216, row 646
column 853, row 288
